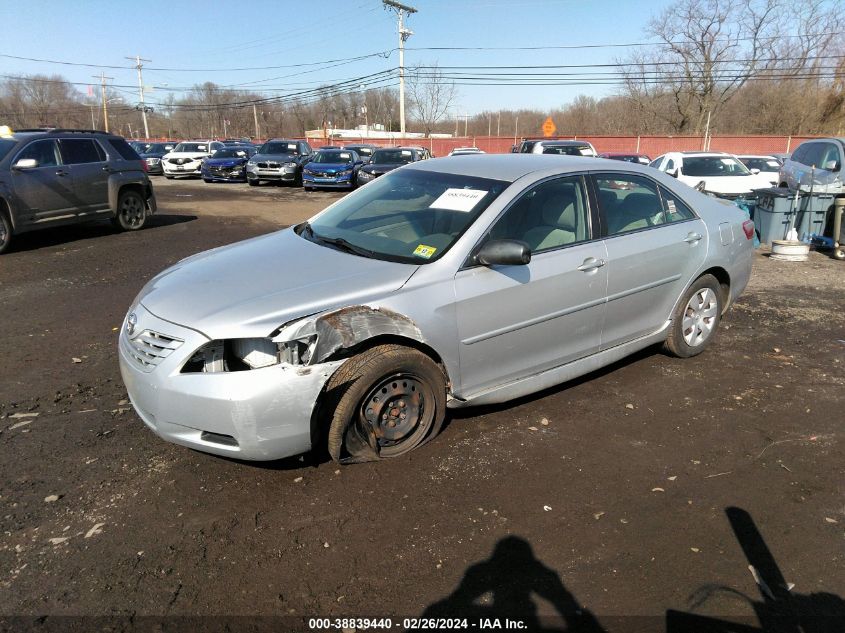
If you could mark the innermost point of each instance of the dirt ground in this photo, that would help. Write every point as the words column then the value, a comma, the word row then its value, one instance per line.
column 646, row 494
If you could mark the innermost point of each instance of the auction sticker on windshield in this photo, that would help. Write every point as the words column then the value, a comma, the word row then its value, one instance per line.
column 458, row 199
column 424, row 251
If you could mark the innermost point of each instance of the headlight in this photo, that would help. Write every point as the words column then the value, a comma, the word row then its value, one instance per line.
column 306, row 171
column 233, row 355
column 289, row 165
column 153, row 161
column 365, row 175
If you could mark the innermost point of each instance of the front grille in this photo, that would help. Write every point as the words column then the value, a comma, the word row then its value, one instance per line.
column 149, row 348
column 269, row 165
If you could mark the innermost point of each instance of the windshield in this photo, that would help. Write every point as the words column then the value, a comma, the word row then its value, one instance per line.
column 231, row 152
column 714, row 166
column 408, row 216
column 334, row 156
column 763, row 164
column 568, row 150
column 362, row 151
column 6, row 147
column 191, row 147
column 271, row 147
column 158, row 148
column 392, row 156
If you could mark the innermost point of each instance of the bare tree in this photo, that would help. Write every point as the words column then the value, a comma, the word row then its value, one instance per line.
column 431, row 95
column 709, row 49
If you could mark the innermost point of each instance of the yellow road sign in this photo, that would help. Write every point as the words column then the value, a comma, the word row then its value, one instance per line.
column 549, row 127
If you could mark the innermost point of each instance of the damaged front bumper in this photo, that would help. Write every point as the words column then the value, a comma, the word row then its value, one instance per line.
column 258, row 414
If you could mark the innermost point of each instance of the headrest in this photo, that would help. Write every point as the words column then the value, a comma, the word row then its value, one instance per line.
column 562, row 217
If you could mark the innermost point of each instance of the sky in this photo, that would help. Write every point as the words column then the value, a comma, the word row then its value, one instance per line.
column 284, row 43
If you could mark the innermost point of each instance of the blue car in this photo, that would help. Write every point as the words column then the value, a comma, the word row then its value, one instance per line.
column 334, row 168
column 227, row 164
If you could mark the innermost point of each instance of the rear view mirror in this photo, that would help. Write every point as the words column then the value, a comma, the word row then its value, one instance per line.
column 504, row 253
column 25, row 163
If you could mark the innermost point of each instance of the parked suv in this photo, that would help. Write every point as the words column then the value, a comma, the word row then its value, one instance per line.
column 827, row 155
column 53, row 177
column 279, row 159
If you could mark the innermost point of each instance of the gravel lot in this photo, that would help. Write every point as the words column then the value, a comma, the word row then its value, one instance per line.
column 634, row 491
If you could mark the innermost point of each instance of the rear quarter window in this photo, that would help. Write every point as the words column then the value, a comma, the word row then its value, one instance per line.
column 124, row 149
column 76, row 151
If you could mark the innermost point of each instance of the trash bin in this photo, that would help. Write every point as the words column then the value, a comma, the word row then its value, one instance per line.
column 773, row 213
column 812, row 214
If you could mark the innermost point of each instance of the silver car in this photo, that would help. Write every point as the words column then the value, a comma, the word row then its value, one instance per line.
column 446, row 283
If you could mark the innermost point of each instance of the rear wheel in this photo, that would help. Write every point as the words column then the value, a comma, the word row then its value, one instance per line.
column 131, row 211
column 5, row 232
column 384, row 402
column 696, row 318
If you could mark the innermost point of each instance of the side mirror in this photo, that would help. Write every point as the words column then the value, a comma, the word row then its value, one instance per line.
column 831, row 165
column 674, row 172
column 25, row 163
column 504, row 253
column 754, row 171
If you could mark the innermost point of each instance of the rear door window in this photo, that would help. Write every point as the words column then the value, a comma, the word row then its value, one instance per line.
column 628, row 203
column 76, row 151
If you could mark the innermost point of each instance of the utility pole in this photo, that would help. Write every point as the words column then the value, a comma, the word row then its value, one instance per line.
column 255, row 116
column 137, row 59
column 404, row 34
column 103, row 78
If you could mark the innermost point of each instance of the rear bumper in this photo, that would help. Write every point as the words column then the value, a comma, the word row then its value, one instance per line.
column 259, row 414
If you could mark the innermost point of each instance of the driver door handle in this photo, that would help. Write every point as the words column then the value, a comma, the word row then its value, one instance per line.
column 691, row 238
column 591, row 263
column 61, row 172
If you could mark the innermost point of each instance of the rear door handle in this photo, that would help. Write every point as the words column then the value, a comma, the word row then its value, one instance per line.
column 591, row 263
column 693, row 237
column 61, row 172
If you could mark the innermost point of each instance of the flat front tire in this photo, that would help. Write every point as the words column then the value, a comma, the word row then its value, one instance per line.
column 131, row 211
column 696, row 318
column 384, row 402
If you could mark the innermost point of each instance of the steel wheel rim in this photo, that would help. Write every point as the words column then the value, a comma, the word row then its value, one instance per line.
column 132, row 211
column 397, row 409
column 700, row 316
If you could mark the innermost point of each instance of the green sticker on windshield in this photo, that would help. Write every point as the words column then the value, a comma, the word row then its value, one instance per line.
column 424, row 251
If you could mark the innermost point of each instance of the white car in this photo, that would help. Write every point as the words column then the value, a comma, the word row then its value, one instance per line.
column 764, row 164
column 464, row 151
column 715, row 172
column 186, row 158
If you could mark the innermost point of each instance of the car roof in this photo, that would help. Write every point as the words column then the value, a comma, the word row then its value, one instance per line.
column 700, row 153
column 510, row 167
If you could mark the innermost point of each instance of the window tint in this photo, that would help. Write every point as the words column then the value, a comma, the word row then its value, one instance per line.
column 812, row 154
column 42, row 151
column 629, row 203
column 670, row 165
column 675, row 208
column 80, row 150
column 124, row 149
column 552, row 214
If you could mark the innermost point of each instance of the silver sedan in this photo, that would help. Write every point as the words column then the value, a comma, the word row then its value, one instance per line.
column 446, row 283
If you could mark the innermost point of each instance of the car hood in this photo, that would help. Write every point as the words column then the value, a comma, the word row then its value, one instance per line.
column 186, row 155
column 250, row 288
column 381, row 168
column 329, row 167
column 279, row 158
column 151, row 155
column 728, row 184
column 225, row 162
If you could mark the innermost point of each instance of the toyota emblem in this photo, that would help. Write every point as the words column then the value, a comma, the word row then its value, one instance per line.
column 131, row 322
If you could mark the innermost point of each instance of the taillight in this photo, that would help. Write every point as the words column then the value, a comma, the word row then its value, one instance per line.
column 144, row 165
column 748, row 227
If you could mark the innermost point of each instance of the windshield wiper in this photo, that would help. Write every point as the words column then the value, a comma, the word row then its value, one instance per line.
column 339, row 243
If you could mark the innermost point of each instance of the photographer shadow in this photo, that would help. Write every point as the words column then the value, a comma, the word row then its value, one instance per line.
column 501, row 588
